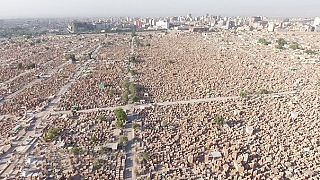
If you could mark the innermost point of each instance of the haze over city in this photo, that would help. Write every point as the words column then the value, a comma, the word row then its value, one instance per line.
column 102, row 8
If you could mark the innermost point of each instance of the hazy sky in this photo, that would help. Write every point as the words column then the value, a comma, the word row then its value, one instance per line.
column 95, row 8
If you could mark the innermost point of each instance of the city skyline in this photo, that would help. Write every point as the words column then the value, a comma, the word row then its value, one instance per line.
column 11, row 9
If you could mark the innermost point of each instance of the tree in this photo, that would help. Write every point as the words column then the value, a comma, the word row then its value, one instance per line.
column 219, row 120
column 121, row 117
column 123, row 140
column 125, row 96
column 135, row 98
column 279, row 46
column 119, row 124
column 51, row 134
column 132, row 89
column 71, row 57
column 264, row 91
column 310, row 52
column 31, row 66
column 132, row 59
column 19, row 66
column 281, row 41
column 121, row 114
column 294, row 46
column 243, row 94
column 136, row 126
column 132, row 72
column 126, row 84
column 77, row 151
column 102, row 117
column 145, row 156
column 263, row 41
column 111, row 93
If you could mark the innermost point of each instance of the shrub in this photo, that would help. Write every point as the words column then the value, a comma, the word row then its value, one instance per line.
column 111, row 93
column 135, row 126
column 19, row 66
column 264, row 91
column 123, row 140
column 31, row 66
column 281, row 42
column 311, row 52
column 279, row 47
column 263, row 41
column 219, row 120
column 125, row 96
column 77, row 151
column 243, row 94
column 294, row 46
column 135, row 98
column 102, row 117
column 51, row 134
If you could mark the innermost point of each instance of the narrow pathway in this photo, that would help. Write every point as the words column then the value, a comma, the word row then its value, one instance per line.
column 191, row 101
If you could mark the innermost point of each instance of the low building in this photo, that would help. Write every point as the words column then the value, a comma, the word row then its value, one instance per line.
column 199, row 29
column 162, row 24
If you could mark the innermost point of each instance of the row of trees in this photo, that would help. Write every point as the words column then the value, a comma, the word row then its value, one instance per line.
column 130, row 89
column 281, row 42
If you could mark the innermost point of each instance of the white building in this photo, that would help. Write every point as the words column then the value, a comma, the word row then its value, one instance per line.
column 162, row 24
column 316, row 22
column 271, row 27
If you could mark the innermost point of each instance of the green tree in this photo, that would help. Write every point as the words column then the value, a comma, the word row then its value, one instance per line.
column 294, row 46
column 77, row 150
column 281, row 42
column 243, row 94
column 135, row 98
column 132, row 88
column 310, row 52
column 123, row 140
column 263, row 41
column 136, row 126
column 264, row 91
column 51, row 134
column 119, row 124
column 125, row 96
column 111, row 93
column 121, row 114
column 219, row 120
column 121, row 117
